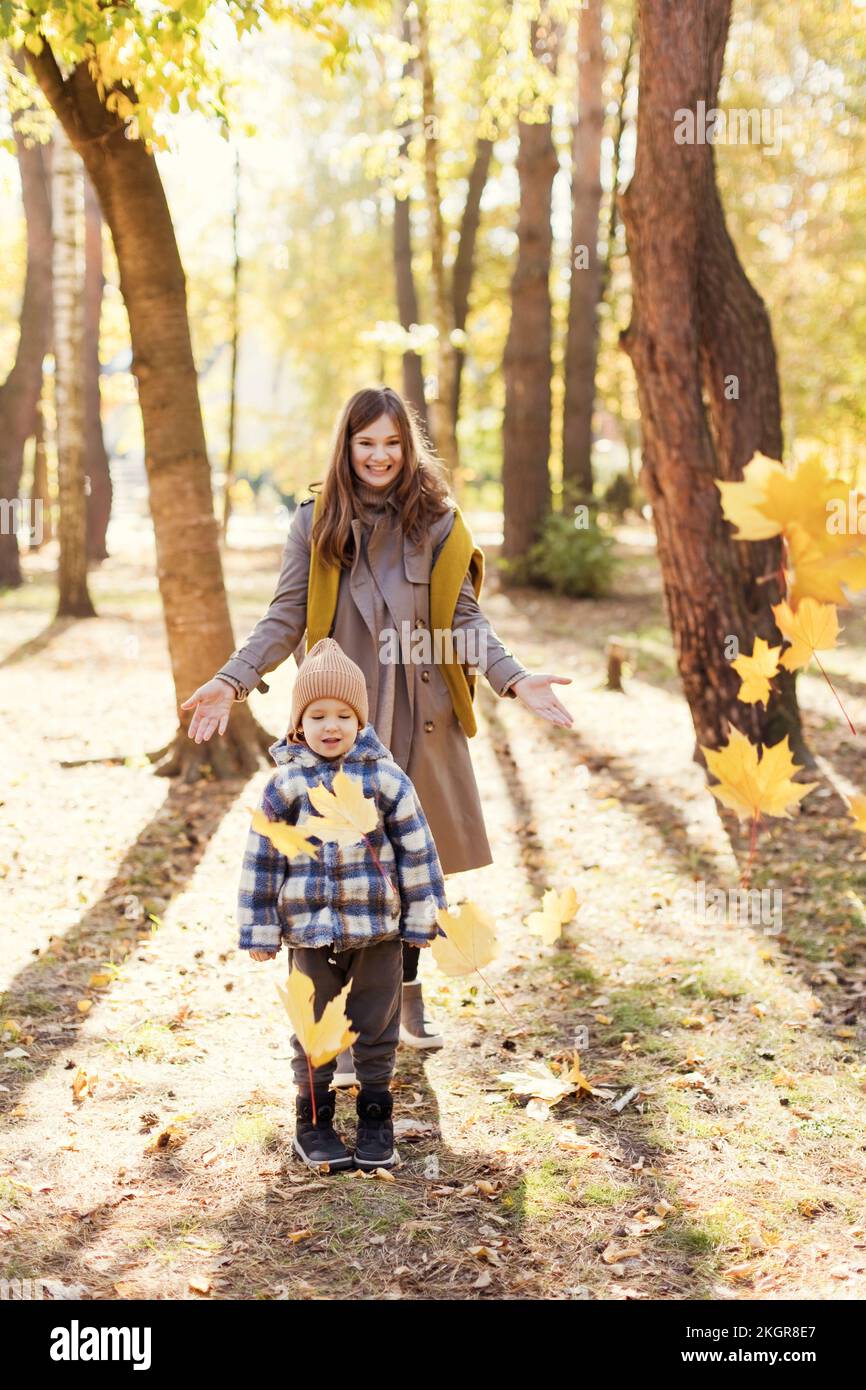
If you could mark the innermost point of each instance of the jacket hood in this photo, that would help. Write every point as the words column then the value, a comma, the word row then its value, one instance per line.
column 366, row 748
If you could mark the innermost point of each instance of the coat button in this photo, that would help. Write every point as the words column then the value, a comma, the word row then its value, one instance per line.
column 428, row 726
column 425, row 675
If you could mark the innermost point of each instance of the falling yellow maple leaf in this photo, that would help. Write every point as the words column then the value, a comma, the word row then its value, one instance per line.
column 756, row 672
column 556, row 910
column 469, row 941
column 814, row 627
column 288, row 839
column 345, row 814
column 324, row 1038
column 820, row 565
column 752, row 787
column 770, row 500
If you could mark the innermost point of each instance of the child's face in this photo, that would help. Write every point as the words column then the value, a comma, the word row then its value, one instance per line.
column 377, row 455
column 330, row 727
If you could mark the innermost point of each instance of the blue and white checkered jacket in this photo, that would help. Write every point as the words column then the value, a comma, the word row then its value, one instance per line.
column 340, row 897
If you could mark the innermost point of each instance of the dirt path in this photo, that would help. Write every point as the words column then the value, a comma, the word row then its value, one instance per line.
column 737, row 1171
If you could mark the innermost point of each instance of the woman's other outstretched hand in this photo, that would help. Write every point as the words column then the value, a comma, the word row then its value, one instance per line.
column 536, row 694
column 213, row 705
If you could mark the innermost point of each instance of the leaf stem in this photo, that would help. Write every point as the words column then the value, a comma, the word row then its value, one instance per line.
column 835, row 692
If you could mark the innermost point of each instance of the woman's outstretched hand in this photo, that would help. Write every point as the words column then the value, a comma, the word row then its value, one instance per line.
column 536, row 694
column 213, row 705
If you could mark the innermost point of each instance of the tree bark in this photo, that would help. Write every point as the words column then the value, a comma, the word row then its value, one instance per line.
column 96, row 458
column 527, row 360
column 581, row 347
column 697, row 323
column 19, row 393
column 68, row 219
column 198, row 626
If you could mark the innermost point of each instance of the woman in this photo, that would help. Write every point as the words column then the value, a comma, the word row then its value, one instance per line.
column 381, row 560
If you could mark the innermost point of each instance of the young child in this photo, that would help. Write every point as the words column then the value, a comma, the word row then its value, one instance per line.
column 339, row 918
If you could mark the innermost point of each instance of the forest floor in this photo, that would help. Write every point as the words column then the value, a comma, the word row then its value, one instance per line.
column 144, row 1070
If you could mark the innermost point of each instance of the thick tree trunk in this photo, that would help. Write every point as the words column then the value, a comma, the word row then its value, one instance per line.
column 68, row 217
column 96, row 458
column 198, row 627
column 464, row 261
column 407, row 296
column 697, row 328
column 585, row 291
column 441, row 409
column 527, row 361
column 19, row 393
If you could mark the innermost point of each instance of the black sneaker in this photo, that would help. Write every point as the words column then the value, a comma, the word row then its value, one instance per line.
column 319, row 1145
column 374, row 1146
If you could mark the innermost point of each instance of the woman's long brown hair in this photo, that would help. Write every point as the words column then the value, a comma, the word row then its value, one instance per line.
column 421, row 489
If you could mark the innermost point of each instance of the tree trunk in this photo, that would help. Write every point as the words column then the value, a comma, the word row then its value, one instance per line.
column 234, row 317
column 585, row 291
column 41, row 492
column 441, row 409
column 19, row 393
column 527, row 361
column 698, row 325
column 464, row 261
column 68, row 215
column 407, row 297
column 198, row 627
column 96, row 458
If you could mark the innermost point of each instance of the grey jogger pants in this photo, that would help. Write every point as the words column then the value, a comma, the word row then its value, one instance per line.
column 373, row 1007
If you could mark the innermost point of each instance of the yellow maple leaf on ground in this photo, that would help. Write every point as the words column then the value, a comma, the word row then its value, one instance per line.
column 756, row 671
column 813, row 628
column 321, row 1039
column 345, row 814
column 469, row 941
column 857, row 811
column 288, row 839
column 540, row 1083
column 556, row 910
column 751, row 786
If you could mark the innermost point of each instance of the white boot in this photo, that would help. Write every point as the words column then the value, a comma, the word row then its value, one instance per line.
column 415, row 1031
column 345, row 1073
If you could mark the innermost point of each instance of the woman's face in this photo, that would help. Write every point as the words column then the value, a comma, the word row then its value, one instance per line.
column 376, row 453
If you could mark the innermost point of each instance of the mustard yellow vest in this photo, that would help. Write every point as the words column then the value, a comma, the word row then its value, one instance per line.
column 458, row 554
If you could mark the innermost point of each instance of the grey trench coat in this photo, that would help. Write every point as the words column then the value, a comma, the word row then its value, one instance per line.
column 390, row 574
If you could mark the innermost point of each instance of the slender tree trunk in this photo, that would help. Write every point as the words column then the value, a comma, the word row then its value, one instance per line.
column 19, row 393
column 441, row 410
column 68, row 210
column 234, row 313
column 407, row 297
column 464, row 261
column 152, row 281
column 41, row 493
column 96, row 458
column 618, row 138
column 582, row 336
column 527, row 362
column 698, row 328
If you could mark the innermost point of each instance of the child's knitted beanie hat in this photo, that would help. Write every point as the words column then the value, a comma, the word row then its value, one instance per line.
column 326, row 670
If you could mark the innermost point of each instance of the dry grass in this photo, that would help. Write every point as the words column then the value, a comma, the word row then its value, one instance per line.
column 176, row 1166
